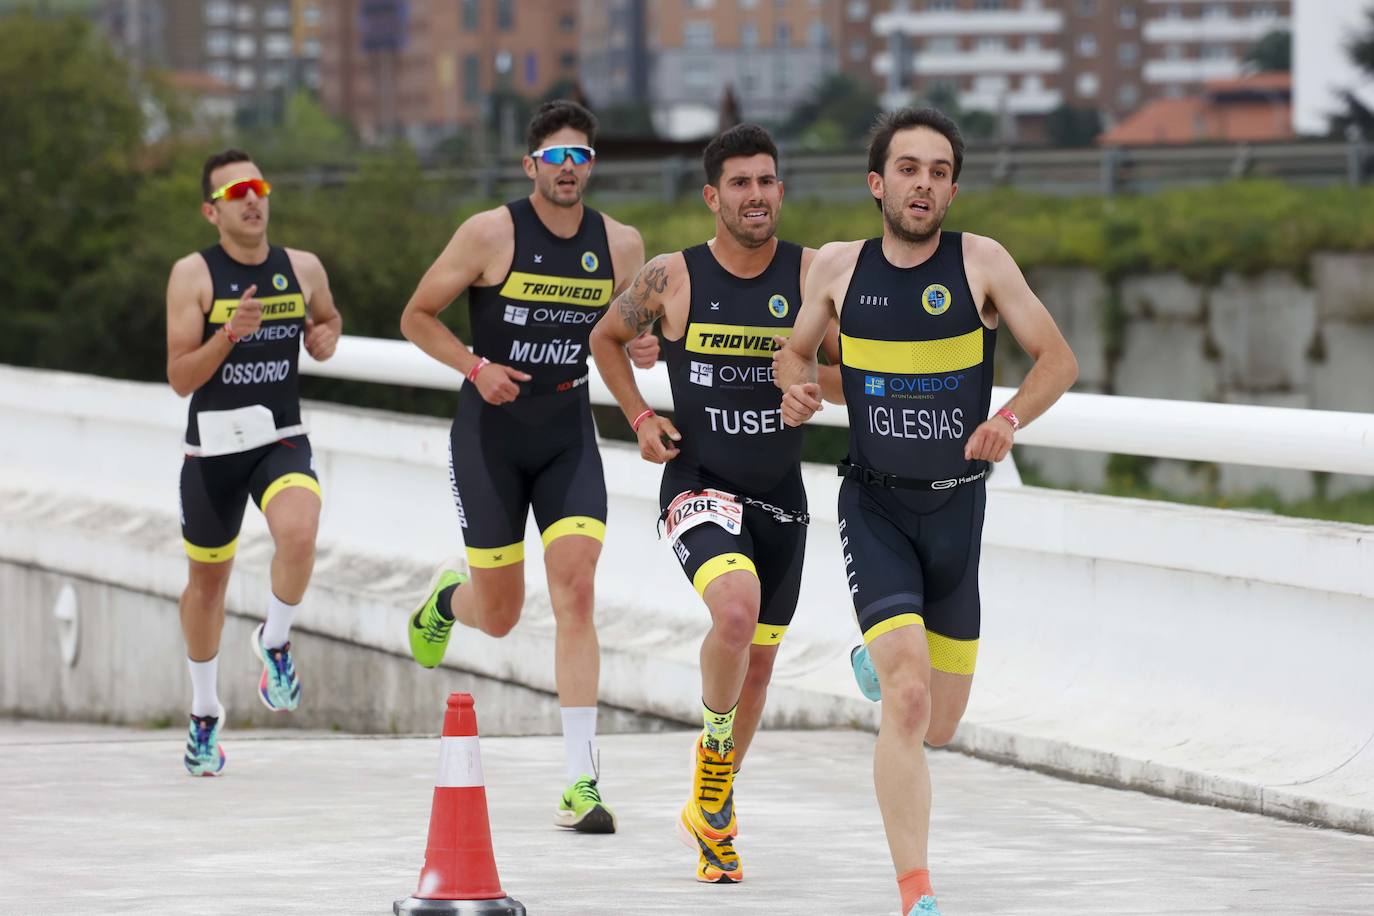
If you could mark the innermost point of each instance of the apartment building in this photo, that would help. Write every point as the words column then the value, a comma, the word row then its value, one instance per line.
column 1021, row 59
column 679, row 56
column 425, row 69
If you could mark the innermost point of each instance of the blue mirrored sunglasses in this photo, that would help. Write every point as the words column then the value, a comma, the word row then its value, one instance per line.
column 557, row 155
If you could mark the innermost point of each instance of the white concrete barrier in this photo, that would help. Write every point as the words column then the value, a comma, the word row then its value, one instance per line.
column 1204, row 654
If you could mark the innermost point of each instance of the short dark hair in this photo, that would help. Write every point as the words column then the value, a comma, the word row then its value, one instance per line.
column 214, row 162
column 552, row 117
column 889, row 122
column 740, row 140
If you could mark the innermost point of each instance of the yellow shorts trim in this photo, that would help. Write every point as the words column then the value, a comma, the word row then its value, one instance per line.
column 584, row 525
column 211, row 554
column 494, row 557
column 767, row 634
column 892, row 623
column 952, row 656
column 718, row 566
column 286, row 481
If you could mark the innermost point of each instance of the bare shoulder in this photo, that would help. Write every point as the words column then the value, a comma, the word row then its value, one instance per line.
column 663, row 271
column 190, row 275
column 488, row 226
column 621, row 234
column 834, row 259
column 305, row 263
column 984, row 252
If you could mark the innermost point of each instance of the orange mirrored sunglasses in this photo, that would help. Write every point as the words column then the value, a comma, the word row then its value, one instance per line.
column 236, row 189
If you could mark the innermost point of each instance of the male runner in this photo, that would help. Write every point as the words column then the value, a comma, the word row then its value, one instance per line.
column 539, row 271
column 732, row 492
column 237, row 314
column 918, row 311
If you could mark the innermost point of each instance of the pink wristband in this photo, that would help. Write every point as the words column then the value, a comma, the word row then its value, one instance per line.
column 1010, row 417
column 472, row 373
column 641, row 418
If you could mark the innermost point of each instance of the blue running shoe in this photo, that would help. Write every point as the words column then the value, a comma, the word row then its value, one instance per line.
column 925, row 907
column 204, row 756
column 280, row 688
column 865, row 674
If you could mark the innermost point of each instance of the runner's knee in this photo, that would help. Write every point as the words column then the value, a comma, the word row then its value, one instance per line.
column 906, row 702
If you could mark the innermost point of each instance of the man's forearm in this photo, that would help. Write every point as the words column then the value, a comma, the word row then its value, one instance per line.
column 1050, row 376
column 613, row 363
column 191, row 370
column 431, row 335
column 794, row 368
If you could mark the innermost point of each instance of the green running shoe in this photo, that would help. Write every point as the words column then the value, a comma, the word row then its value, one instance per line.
column 204, row 756
column 581, row 808
column 429, row 630
column 924, row 907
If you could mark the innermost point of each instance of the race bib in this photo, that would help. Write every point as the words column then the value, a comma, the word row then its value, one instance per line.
column 687, row 510
column 226, row 432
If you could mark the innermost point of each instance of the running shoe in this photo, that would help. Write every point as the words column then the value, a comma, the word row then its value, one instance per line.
column 204, row 756
column 280, row 686
column 710, row 812
column 717, row 861
column 430, row 630
column 924, row 907
column 582, row 809
column 865, row 674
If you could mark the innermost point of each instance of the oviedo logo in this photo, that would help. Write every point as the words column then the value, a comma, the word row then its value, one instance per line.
column 279, row 282
column 589, row 261
column 935, row 299
column 777, row 305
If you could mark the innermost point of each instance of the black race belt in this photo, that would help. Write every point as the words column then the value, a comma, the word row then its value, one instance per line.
column 893, row 482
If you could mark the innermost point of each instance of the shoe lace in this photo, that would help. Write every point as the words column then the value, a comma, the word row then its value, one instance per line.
column 204, row 726
column 436, row 628
column 586, row 788
column 282, row 666
column 714, row 779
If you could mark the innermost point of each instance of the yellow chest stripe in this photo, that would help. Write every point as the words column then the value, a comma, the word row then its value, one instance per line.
column 274, row 308
column 733, row 339
column 913, row 357
column 524, row 287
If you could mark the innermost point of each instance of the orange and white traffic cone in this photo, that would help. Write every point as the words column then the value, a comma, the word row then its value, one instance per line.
column 459, row 875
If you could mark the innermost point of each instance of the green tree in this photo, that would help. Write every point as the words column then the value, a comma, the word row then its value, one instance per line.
column 307, row 138
column 1070, row 126
column 74, row 126
column 838, row 113
column 1273, row 53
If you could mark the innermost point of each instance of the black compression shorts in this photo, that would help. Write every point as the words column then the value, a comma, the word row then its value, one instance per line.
column 539, row 451
column 912, row 559
column 770, row 549
column 214, row 492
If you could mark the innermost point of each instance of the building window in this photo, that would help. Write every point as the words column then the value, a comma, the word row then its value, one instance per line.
column 567, row 23
column 567, row 60
column 818, row 36
column 944, row 44
column 699, row 76
column 531, row 68
column 1128, row 95
column 858, row 49
column 472, row 88
column 1126, row 17
column 1215, row 52
column 1087, row 45
column 749, row 35
column 277, row 16
column 1173, row 52
column 1173, row 91
column 310, row 48
column 469, row 15
column 857, row 10
column 1087, row 7
column 505, row 15
column 218, row 12
column 1032, row 83
column 1173, row 11
column 222, row 71
column 277, row 45
column 989, row 4
column 274, row 77
column 1086, row 85
column 782, row 35
column 1031, row 43
column 1263, row 12
column 699, row 4
column 991, row 44
column 1214, row 11
column 217, row 43
column 943, row 6
column 310, row 15
column 699, row 34
column 245, row 46
column 246, row 16
column 245, row 78
column 748, row 4
column 1127, row 53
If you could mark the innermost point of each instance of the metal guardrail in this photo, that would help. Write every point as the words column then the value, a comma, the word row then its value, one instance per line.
column 1276, row 437
column 1064, row 171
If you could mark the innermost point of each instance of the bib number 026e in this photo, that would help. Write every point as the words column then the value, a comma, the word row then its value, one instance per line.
column 689, row 509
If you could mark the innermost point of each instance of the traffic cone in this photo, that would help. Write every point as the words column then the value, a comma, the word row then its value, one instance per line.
column 459, row 875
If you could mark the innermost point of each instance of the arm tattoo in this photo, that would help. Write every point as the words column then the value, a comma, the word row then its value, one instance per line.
column 640, row 305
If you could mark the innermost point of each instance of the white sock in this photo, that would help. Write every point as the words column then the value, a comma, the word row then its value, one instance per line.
column 277, row 630
column 579, row 740
column 204, row 699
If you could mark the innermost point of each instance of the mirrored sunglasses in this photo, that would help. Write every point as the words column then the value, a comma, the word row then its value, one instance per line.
column 237, row 189
column 557, row 155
